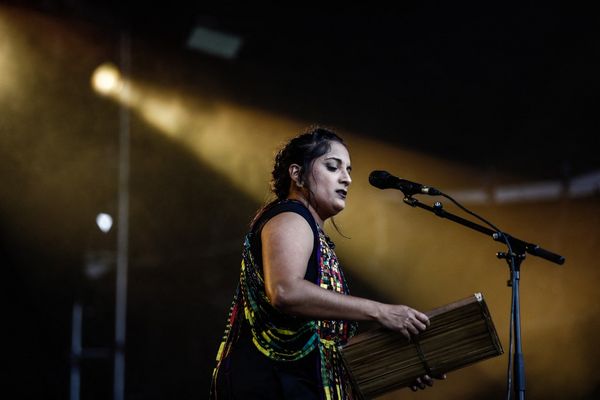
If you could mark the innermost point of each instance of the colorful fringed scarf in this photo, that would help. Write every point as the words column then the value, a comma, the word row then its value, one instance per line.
column 283, row 337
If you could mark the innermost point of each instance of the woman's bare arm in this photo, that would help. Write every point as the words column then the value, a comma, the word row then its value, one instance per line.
column 287, row 243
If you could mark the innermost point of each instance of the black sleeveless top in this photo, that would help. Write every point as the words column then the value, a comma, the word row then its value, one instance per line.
column 248, row 374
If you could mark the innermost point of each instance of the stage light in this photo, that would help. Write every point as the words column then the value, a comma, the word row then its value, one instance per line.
column 104, row 222
column 106, row 79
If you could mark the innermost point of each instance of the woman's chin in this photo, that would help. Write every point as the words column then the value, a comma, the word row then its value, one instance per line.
column 339, row 206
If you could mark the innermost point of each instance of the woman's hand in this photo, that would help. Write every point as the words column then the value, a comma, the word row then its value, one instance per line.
column 403, row 319
column 420, row 383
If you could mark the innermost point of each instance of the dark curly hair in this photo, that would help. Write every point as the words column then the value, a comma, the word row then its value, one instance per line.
column 302, row 150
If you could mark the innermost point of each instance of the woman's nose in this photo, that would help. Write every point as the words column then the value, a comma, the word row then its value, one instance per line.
column 346, row 178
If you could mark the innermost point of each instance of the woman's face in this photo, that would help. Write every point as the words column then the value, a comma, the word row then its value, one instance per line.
column 329, row 180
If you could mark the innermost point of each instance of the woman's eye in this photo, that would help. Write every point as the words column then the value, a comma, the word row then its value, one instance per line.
column 331, row 168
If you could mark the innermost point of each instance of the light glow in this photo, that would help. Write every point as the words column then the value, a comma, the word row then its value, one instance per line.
column 104, row 222
column 9, row 79
column 106, row 79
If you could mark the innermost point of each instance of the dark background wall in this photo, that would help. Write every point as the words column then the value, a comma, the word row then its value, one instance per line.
column 461, row 98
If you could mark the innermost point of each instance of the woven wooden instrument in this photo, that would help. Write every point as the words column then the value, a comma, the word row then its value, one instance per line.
column 460, row 334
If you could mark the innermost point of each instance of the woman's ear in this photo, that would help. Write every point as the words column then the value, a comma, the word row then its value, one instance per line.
column 295, row 172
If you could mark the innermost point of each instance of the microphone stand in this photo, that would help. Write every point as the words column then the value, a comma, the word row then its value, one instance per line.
column 514, row 256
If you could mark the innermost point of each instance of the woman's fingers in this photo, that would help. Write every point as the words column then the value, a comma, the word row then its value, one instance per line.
column 419, row 325
column 428, row 380
column 422, row 318
column 417, row 384
column 425, row 380
column 419, row 320
column 412, row 328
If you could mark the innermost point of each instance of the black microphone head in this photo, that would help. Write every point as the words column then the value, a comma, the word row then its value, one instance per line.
column 380, row 179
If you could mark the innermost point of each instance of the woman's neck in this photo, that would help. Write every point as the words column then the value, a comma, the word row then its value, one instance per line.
column 302, row 199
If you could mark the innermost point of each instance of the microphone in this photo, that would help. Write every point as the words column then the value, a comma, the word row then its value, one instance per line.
column 384, row 180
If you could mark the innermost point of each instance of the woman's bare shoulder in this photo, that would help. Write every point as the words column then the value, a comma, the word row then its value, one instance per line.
column 288, row 225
